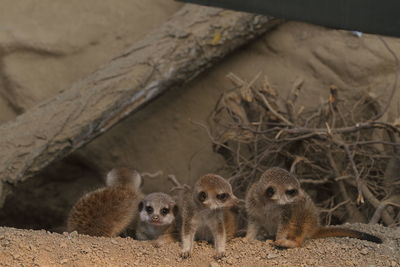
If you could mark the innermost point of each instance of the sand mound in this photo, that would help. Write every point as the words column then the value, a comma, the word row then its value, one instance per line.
column 41, row 248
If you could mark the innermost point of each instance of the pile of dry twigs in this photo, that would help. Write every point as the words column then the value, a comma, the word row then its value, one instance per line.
column 344, row 155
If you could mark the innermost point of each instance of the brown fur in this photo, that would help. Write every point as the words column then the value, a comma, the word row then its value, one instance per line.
column 107, row 211
column 230, row 222
column 292, row 218
column 208, row 217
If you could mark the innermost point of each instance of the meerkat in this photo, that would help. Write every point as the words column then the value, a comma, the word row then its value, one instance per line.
column 108, row 211
column 278, row 205
column 156, row 220
column 206, row 208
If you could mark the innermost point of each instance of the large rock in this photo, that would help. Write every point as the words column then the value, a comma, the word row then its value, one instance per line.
column 47, row 45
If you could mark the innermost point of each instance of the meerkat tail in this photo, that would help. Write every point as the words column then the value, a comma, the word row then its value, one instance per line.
column 343, row 232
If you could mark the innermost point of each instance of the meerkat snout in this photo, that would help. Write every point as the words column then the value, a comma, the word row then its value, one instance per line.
column 155, row 219
column 219, row 201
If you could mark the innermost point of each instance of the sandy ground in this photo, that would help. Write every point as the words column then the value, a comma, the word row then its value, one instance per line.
column 41, row 248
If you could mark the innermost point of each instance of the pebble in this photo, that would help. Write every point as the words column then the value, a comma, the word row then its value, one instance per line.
column 5, row 243
column 214, row 264
column 272, row 256
column 86, row 250
column 113, row 241
column 73, row 234
column 364, row 251
column 63, row 261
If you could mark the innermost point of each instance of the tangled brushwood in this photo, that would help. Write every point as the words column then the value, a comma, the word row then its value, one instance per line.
column 346, row 158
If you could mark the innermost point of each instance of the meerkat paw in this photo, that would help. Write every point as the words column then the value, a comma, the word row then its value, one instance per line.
column 285, row 243
column 185, row 254
column 248, row 238
column 219, row 255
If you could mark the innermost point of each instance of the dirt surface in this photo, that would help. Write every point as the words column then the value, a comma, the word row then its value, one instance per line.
column 41, row 248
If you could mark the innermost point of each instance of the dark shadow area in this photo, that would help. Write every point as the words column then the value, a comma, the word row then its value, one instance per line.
column 43, row 202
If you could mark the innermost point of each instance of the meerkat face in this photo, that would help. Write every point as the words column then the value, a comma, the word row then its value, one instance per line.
column 214, row 192
column 158, row 209
column 279, row 186
column 281, row 195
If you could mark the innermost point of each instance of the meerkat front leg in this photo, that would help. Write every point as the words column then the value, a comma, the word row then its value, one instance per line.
column 141, row 236
column 282, row 239
column 165, row 238
column 252, row 230
column 219, row 235
column 188, row 233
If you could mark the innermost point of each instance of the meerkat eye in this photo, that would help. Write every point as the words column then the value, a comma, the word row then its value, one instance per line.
column 202, row 196
column 270, row 192
column 164, row 211
column 291, row 192
column 149, row 209
column 223, row 197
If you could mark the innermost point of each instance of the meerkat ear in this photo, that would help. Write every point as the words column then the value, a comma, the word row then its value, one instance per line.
column 140, row 207
column 175, row 210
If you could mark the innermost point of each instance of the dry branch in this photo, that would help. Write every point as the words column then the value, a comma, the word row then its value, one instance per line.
column 190, row 42
column 339, row 153
column 152, row 175
column 176, row 184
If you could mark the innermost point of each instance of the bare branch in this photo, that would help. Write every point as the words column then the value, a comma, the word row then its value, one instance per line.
column 273, row 111
column 378, row 212
column 152, row 175
column 336, row 149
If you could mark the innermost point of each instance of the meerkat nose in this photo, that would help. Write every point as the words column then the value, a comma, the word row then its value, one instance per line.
column 155, row 218
column 235, row 200
column 281, row 201
column 276, row 197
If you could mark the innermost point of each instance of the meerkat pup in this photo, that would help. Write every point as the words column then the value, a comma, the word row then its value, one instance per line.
column 206, row 208
column 156, row 220
column 108, row 211
column 278, row 205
